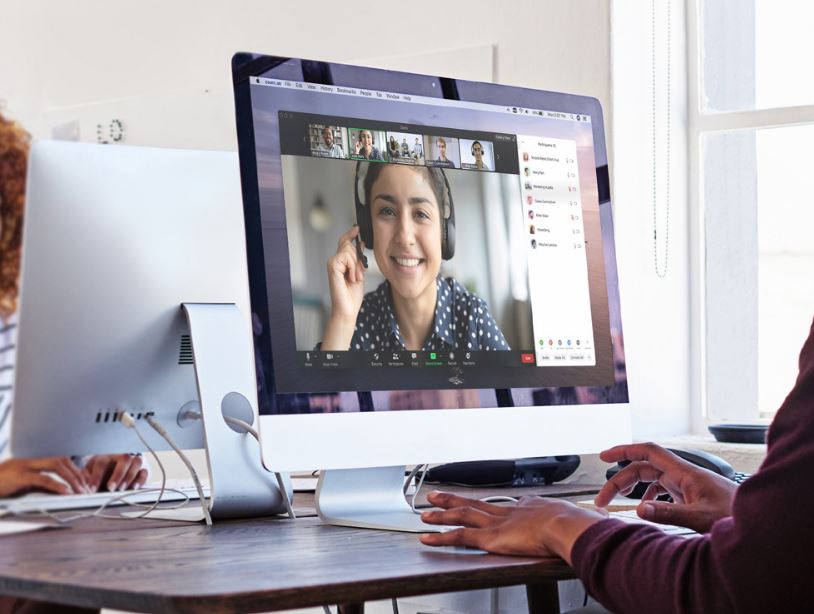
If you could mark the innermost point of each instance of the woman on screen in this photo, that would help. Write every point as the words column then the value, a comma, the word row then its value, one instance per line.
column 407, row 214
column 365, row 148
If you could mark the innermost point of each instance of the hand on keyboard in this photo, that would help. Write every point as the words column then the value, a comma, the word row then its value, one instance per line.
column 700, row 497
column 114, row 472
column 21, row 475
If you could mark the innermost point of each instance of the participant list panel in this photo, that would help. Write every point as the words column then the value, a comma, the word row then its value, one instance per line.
column 557, row 262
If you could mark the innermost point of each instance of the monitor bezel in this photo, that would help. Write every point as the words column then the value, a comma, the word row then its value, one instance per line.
column 246, row 66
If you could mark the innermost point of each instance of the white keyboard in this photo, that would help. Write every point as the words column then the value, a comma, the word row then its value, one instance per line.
column 630, row 517
column 34, row 502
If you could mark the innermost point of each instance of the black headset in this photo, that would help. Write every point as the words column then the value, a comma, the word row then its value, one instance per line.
column 365, row 222
column 472, row 148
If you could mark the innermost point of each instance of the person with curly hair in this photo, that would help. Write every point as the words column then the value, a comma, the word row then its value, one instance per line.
column 21, row 475
column 18, row 476
column 14, row 146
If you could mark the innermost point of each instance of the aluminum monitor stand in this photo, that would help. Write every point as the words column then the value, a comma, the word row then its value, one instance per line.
column 370, row 498
column 240, row 486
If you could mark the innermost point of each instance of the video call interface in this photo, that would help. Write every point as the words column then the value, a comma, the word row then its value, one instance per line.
column 415, row 247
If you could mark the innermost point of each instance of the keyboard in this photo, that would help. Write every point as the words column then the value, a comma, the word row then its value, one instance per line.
column 630, row 517
column 34, row 502
column 740, row 477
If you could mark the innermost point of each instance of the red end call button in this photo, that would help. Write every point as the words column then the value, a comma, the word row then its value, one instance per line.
column 527, row 359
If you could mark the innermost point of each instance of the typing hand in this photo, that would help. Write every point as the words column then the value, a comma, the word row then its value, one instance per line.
column 115, row 472
column 21, row 475
column 700, row 497
column 534, row 527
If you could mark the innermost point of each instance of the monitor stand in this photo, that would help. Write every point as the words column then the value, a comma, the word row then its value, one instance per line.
column 369, row 498
column 240, row 485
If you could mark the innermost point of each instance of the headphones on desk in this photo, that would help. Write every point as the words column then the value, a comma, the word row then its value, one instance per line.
column 365, row 220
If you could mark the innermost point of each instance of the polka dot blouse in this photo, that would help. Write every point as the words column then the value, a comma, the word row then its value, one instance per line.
column 462, row 322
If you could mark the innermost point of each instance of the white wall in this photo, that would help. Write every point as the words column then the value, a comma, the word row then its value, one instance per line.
column 655, row 310
column 61, row 54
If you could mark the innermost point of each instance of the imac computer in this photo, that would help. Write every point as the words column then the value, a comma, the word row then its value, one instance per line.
column 116, row 240
column 432, row 276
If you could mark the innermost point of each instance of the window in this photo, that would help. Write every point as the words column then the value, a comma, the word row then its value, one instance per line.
column 751, row 128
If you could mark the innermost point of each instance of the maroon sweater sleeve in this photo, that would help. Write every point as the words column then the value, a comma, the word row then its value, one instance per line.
column 757, row 560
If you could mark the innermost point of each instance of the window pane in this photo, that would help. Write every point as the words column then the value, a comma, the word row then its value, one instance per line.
column 730, row 214
column 785, row 256
column 754, row 54
column 759, row 265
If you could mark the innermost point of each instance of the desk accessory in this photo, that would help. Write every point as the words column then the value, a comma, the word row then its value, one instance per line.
column 739, row 433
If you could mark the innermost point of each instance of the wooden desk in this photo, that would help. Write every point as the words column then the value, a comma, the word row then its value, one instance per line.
column 250, row 565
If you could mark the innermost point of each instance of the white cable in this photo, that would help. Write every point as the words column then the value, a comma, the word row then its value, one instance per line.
column 280, row 483
column 410, row 477
column 128, row 421
column 123, row 497
column 244, row 425
column 418, row 485
column 160, row 430
column 284, row 494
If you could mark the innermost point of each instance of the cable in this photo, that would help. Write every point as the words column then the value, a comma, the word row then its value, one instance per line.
column 284, row 494
column 129, row 422
column 661, row 272
column 160, row 430
column 423, row 469
column 242, row 424
column 123, row 497
column 280, row 483
column 410, row 477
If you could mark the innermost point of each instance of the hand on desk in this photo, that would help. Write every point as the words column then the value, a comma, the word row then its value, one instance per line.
column 21, row 475
column 534, row 527
column 109, row 471
column 115, row 472
column 700, row 497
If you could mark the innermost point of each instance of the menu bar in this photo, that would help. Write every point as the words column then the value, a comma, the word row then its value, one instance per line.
column 426, row 100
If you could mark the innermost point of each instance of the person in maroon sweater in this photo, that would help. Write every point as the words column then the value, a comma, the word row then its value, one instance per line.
column 757, row 539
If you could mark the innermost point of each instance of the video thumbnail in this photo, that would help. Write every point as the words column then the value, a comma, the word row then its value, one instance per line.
column 443, row 151
column 405, row 148
column 367, row 144
column 328, row 141
column 477, row 155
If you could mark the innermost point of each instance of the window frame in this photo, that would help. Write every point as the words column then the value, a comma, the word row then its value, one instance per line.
column 701, row 122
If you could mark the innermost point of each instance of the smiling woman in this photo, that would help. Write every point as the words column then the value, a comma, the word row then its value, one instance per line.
column 407, row 213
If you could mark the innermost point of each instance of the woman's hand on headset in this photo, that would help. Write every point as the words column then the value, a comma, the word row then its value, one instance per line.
column 346, row 279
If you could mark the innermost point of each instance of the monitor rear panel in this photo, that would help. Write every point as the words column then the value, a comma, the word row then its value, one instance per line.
column 116, row 238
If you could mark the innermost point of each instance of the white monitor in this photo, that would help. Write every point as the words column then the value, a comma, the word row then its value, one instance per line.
column 116, row 239
column 475, row 312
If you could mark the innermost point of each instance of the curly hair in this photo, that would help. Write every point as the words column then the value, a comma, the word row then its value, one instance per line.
column 14, row 145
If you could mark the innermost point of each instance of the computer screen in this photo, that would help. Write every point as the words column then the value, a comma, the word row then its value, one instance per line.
column 436, row 243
